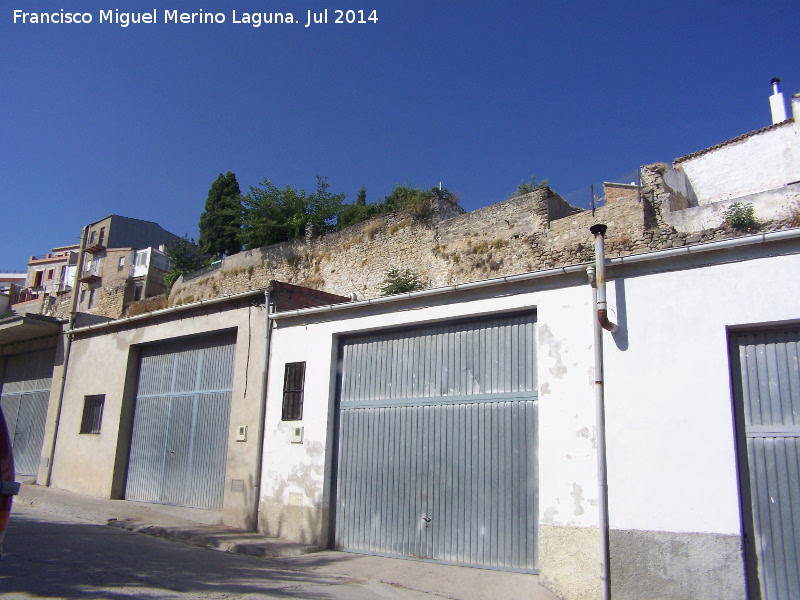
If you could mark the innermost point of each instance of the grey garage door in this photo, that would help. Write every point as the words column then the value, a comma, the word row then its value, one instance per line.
column 180, row 425
column 766, row 381
column 437, row 444
column 25, row 397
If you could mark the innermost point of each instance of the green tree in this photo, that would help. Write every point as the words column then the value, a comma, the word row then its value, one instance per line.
column 358, row 212
column 273, row 215
column 221, row 222
column 526, row 188
column 399, row 281
column 184, row 257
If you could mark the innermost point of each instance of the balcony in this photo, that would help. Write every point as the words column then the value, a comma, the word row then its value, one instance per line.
column 95, row 248
column 90, row 275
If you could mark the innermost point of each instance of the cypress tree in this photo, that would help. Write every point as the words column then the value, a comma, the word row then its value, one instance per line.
column 221, row 222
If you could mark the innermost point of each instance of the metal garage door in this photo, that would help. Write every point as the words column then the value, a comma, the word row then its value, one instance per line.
column 437, row 444
column 180, row 424
column 25, row 398
column 766, row 379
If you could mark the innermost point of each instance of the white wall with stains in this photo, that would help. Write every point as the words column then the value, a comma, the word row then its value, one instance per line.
column 760, row 162
column 672, row 469
column 296, row 488
column 670, row 428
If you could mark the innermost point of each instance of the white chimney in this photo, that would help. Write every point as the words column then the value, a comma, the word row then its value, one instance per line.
column 776, row 102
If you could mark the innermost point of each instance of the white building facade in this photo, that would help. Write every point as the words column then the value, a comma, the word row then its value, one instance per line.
column 458, row 424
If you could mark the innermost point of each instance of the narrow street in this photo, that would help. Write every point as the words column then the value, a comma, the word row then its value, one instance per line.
column 55, row 556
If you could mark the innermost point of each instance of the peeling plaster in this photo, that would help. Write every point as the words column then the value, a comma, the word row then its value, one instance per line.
column 583, row 432
column 577, row 494
column 545, row 388
column 549, row 515
column 556, row 348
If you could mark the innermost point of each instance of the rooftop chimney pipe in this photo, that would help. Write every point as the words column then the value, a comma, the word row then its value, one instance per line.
column 776, row 102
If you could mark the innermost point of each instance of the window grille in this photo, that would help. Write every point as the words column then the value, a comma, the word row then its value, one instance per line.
column 293, row 384
column 92, row 413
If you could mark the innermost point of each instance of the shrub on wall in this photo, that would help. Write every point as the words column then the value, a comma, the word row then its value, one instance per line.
column 401, row 281
column 741, row 217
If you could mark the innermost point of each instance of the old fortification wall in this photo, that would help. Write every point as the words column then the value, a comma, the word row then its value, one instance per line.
column 529, row 233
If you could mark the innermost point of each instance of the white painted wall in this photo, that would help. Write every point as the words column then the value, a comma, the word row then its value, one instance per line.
column 670, row 431
column 768, row 205
column 565, row 370
column 671, row 458
column 761, row 162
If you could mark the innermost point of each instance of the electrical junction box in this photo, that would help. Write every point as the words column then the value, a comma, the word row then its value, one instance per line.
column 297, row 435
column 241, row 433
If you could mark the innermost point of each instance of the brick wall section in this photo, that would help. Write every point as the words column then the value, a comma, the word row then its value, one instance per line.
column 286, row 296
column 507, row 238
column 34, row 306
column 619, row 191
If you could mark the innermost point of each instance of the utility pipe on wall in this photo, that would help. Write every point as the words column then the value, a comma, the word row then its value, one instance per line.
column 62, row 384
column 599, row 232
column 597, row 279
column 263, row 408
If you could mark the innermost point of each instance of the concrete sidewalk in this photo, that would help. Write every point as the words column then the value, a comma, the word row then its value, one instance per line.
column 203, row 528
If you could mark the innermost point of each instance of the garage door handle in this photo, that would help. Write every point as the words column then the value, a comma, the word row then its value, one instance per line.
column 427, row 519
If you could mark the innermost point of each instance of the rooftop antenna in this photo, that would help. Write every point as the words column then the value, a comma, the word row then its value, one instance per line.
column 776, row 102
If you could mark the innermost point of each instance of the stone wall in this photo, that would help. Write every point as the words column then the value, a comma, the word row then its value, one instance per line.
column 109, row 301
column 507, row 238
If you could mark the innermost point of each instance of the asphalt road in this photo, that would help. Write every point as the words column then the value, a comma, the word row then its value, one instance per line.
column 52, row 556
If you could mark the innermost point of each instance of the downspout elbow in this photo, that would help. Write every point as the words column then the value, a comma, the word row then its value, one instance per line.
column 599, row 232
column 602, row 316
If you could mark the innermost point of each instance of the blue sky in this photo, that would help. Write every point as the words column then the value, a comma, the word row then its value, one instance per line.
column 100, row 119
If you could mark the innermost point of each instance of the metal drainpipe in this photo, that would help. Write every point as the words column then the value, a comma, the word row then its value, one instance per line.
column 67, row 347
column 78, row 271
column 599, row 232
column 597, row 279
column 263, row 407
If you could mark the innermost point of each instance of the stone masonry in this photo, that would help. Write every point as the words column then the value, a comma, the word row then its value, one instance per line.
column 507, row 238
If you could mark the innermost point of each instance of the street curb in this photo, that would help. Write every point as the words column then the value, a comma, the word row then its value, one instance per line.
column 225, row 540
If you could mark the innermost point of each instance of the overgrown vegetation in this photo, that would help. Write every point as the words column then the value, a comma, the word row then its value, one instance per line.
column 358, row 212
column 273, row 215
column 741, row 217
column 399, row 281
column 404, row 197
column 526, row 188
column 145, row 306
column 185, row 257
column 270, row 215
column 794, row 214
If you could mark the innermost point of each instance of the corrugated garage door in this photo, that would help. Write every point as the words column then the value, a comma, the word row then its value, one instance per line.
column 437, row 444
column 766, row 379
column 25, row 397
column 180, row 424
